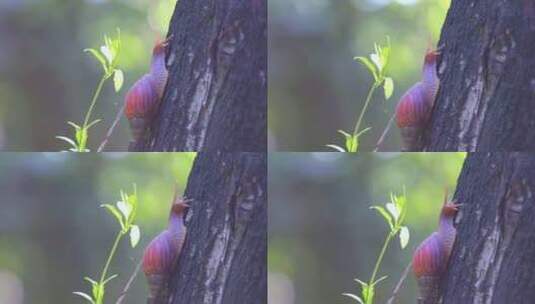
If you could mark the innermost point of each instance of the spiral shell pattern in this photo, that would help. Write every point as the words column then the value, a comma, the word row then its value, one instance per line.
column 429, row 257
column 142, row 98
column 413, row 109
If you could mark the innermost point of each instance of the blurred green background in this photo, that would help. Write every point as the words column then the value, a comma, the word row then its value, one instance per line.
column 53, row 232
column 315, row 87
column 322, row 233
column 46, row 79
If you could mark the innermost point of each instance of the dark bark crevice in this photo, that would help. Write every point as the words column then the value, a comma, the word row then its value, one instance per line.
column 492, row 259
column 487, row 73
column 216, row 96
column 224, row 260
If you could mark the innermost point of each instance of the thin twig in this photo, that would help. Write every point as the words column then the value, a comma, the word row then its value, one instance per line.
column 399, row 284
column 127, row 286
column 382, row 138
column 110, row 131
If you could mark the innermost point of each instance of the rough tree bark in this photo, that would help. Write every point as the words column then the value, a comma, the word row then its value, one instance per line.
column 224, row 259
column 494, row 255
column 487, row 73
column 216, row 96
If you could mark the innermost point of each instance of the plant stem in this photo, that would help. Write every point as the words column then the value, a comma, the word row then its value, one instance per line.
column 368, row 99
column 94, row 101
column 127, row 286
column 110, row 131
column 382, row 138
column 110, row 257
column 380, row 258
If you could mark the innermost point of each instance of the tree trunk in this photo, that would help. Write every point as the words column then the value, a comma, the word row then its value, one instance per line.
column 487, row 73
column 224, row 260
column 216, row 95
column 494, row 255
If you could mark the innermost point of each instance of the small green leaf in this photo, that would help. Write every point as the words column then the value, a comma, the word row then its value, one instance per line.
column 400, row 202
column 81, row 138
column 115, row 213
column 388, row 87
column 99, row 57
column 377, row 61
column 404, row 236
column 93, row 282
column 134, row 235
column 379, row 280
column 363, row 131
column 124, row 208
column 105, row 50
column 393, row 211
column 385, row 215
column 368, row 64
column 118, row 79
column 68, row 140
column 354, row 297
column 110, row 278
column 385, row 53
column 94, row 122
column 362, row 283
column 98, row 292
column 132, row 201
column 352, row 143
column 368, row 293
column 336, row 147
column 75, row 126
column 85, row 296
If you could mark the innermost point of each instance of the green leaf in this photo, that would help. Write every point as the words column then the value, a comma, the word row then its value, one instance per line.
column 401, row 204
column 132, row 201
column 68, row 140
column 368, row 293
column 368, row 64
column 125, row 209
column 109, row 279
column 379, row 280
column 98, row 293
column 363, row 131
column 385, row 215
column 134, row 235
column 351, row 141
column 99, row 57
column 94, row 122
column 363, row 284
column 337, row 148
column 118, row 80
column 388, row 86
column 377, row 61
column 404, row 236
column 85, row 296
column 81, row 138
column 105, row 50
column 392, row 208
column 115, row 213
column 354, row 297
column 93, row 282
column 75, row 126
column 385, row 53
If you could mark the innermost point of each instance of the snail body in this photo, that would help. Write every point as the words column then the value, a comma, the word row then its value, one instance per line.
column 162, row 253
column 413, row 111
column 144, row 97
column 431, row 257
